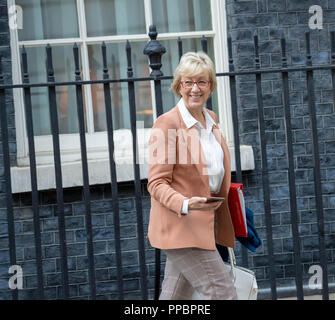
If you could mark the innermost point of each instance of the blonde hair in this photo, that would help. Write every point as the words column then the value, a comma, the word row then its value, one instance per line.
column 193, row 64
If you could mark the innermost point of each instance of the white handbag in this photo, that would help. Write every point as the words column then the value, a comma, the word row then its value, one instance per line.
column 244, row 280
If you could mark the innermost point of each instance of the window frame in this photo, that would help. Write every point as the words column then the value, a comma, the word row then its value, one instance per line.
column 70, row 153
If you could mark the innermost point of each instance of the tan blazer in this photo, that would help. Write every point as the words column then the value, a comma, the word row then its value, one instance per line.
column 176, row 172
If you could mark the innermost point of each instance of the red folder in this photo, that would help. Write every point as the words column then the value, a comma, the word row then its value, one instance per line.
column 237, row 209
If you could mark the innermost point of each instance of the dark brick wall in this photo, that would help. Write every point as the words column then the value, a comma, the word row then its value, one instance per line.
column 104, row 250
column 269, row 19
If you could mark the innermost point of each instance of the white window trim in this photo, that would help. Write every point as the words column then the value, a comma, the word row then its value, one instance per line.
column 222, row 65
column 97, row 150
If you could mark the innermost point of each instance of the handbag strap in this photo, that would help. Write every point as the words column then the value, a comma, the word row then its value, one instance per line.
column 232, row 257
column 232, row 260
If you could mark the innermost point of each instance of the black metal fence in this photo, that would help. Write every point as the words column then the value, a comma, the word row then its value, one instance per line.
column 154, row 51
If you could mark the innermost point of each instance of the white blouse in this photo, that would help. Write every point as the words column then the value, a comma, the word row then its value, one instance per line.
column 210, row 147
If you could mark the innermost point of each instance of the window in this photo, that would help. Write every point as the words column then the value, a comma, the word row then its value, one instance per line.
column 87, row 23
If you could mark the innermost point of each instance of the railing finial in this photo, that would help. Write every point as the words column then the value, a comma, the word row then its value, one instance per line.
column 308, row 48
column 257, row 59
column 129, row 65
column 204, row 44
column 332, row 44
column 152, row 32
column 180, row 48
column 283, row 51
column 1, row 73
column 154, row 50
column 49, row 65
column 104, row 60
column 230, row 53
column 25, row 75
column 76, row 61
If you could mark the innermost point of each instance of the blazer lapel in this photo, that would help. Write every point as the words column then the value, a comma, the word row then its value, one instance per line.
column 227, row 176
column 218, row 135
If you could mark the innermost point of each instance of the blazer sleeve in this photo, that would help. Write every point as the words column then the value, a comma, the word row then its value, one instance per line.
column 162, row 151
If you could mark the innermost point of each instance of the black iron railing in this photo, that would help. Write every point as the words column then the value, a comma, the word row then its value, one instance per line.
column 154, row 51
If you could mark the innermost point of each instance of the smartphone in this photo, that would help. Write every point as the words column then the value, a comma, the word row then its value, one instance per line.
column 214, row 199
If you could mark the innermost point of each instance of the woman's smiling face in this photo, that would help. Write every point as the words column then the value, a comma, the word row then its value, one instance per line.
column 195, row 97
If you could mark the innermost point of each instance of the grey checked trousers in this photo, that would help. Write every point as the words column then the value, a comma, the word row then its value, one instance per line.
column 189, row 269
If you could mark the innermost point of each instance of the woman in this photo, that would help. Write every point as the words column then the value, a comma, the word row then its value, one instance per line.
column 189, row 161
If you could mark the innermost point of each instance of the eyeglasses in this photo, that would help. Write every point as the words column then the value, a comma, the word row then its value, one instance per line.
column 202, row 84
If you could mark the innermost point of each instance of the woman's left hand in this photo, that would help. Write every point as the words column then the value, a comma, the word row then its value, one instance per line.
column 200, row 203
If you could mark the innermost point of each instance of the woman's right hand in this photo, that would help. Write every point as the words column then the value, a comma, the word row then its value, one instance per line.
column 200, row 203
